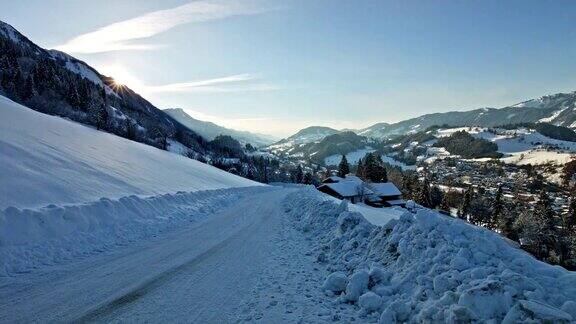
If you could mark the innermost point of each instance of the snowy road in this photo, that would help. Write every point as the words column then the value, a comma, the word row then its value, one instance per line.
column 243, row 263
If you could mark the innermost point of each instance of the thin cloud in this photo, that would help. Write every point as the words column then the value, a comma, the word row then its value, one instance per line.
column 121, row 35
column 233, row 83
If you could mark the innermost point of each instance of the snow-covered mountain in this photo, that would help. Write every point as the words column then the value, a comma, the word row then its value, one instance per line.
column 210, row 130
column 56, row 83
column 309, row 134
column 558, row 109
column 321, row 145
column 298, row 145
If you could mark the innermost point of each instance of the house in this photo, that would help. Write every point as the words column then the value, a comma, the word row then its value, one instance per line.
column 355, row 190
column 385, row 194
column 346, row 190
column 350, row 188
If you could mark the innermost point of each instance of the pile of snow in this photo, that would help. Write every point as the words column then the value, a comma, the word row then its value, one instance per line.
column 50, row 160
column 426, row 267
column 377, row 216
column 32, row 239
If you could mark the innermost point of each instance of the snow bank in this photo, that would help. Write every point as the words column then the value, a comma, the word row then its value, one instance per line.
column 34, row 238
column 426, row 267
column 50, row 160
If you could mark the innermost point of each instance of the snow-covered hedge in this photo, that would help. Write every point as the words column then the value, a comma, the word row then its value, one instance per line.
column 427, row 267
column 34, row 238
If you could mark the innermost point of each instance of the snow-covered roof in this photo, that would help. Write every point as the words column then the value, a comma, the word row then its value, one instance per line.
column 385, row 189
column 347, row 188
column 333, row 179
column 353, row 178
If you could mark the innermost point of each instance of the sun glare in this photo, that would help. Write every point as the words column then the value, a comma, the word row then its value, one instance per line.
column 122, row 77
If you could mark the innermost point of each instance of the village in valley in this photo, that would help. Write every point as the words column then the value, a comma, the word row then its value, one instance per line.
column 511, row 193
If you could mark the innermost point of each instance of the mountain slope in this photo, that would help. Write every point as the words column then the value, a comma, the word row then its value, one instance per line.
column 308, row 135
column 55, row 83
column 311, row 134
column 558, row 109
column 210, row 130
column 50, row 160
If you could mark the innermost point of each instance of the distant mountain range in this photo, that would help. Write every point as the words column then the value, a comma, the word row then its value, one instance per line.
column 558, row 109
column 210, row 130
column 316, row 143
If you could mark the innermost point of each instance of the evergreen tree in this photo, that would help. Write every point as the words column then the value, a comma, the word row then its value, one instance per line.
column 161, row 137
column 546, row 213
column 479, row 212
column 444, row 204
column 19, row 84
column 72, row 96
column 497, row 210
column 250, row 174
column 130, row 128
column 343, row 167
column 436, row 197
column 298, row 175
column 568, row 171
column 360, row 172
column 464, row 210
column 374, row 169
column 538, row 228
column 307, row 178
column 423, row 196
column 28, row 91
column 411, row 186
column 506, row 224
column 569, row 219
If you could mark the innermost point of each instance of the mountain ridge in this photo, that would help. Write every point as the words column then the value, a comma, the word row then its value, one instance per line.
column 210, row 130
column 558, row 109
column 56, row 83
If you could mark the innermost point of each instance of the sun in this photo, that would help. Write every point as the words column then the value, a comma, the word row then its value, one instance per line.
column 122, row 77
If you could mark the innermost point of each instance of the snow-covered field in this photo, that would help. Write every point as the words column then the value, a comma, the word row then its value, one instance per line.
column 352, row 157
column 521, row 146
column 426, row 267
column 50, row 160
column 390, row 160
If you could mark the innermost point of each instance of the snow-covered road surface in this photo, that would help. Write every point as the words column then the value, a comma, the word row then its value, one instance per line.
column 243, row 255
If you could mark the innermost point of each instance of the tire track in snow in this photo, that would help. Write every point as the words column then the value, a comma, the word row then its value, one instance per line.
column 260, row 216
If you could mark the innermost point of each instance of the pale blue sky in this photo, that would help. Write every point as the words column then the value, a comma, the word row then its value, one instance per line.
column 274, row 66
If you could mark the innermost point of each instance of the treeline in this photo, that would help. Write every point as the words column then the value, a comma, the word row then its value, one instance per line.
column 468, row 147
column 546, row 233
column 556, row 132
column 553, row 131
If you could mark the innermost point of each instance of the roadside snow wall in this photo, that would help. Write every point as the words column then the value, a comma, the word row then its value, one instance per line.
column 427, row 267
column 31, row 239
